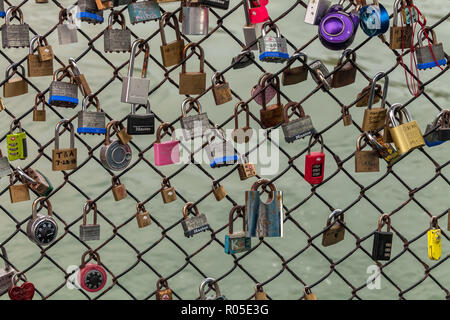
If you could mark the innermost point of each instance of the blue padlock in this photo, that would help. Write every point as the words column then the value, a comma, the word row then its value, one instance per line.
column 432, row 138
column 88, row 12
column 237, row 242
column 374, row 19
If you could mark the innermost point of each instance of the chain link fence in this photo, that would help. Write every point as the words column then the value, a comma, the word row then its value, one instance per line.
column 135, row 260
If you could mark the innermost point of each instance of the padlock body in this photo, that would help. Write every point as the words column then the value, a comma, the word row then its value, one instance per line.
column 92, row 277
column 39, row 115
column 195, row 125
column 443, row 134
column 91, row 122
column 315, row 10
column 407, row 137
column 314, row 167
column 374, row 119
column 251, row 35
column 15, row 87
column 273, row 49
column 192, row 83
column 135, row 90
column 5, row 169
column 166, row 153
column 117, row 40
column 143, row 11
column 194, row 225
column 222, row 93
column 90, row 232
column 19, row 193
column 219, row 192
column 333, row 235
column 37, row 68
column 143, row 219
column 15, row 36
column 237, row 242
column 425, row 58
column 172, row 53
column 64, row 159
column 263, row 219
column 221, row 154
column 168, row 194
column 63, row 94
column 432, row 139
column 115, row 156
column 367, row 161
column 6, row 279
column 119, row 192
column 42, row 230
column 141, row 124
column 246, row 170
column 219, row 4
column 382, row 245
column 164, row 294
column 294, row 75
column 195, row 20
column 67, row 34
column 344, row 76
column 90, row 17
column 400, row 37
column 271, row 116
column 298, row 129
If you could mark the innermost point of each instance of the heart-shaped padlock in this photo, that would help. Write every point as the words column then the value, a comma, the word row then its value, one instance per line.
column 92, row 276
column 262, row 90
column 23, row 292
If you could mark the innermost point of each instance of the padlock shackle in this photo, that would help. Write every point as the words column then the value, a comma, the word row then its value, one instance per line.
column 12, row 66
column 384, row 219
column 165, row 183
column 32, row 42
column 108, row 130
column 397, row 4
column 188, row 206
column 161, row 282
column 335, row 215
column 362, row 136
column 236, row 114
column 40, row 201
column 240, row 210
column 273, row 27
column 66, row 73
column 192, row 46
column 87, row 208
column 349, row 54
column 85, row 104
column 397, row 107
column 421, row 36
column 163, row 126
column 217, row 78
column 10, row 11
column 209, row 282
column 24, row 178
column 115, row 181
column 40, row 98
column 300, row 56
column 191, row 101
column 165, row 19
column 267, row 183
column 147, row 108
column 13, row 124
column 65, row 122
column 16, row 277
column 294, row 106
column 116, row 16
column 374, row 143
column 146, row 49
column 319, row 138
column 73, row 65
column 92, row 254
column 377, row 77
column 434, row 223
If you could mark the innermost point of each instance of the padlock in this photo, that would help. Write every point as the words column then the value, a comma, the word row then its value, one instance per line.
column 219, row 191
column 309, row 295
column 272, row 115
column 63, row 94
column 91, row 122
column 15, row 86
column 5, row 168
column 79, row 78
column 134, row 89
column 220, row 89
column 143, row 11
column 67, row 32
column 117, row 40
column 252, row 32
column 263, row 91
column 315, row 162
column 140, row 124
column 193, row 225
column 16, row 143
column 385, row 150
column 36, row 67
column 298, row 74
column 258, row 12
column 114, row 155
column 39, row 115
column 320, row 74
column 429, row 57
column 363, row 96
column 406, row 136
column 64, row 159
column 410, row 14
column 237, row 242
column 118, row 189
column 163, row 294
column 272, row 49
column 298, row 128
column 374, row 19
column 400, row 37
column 20, row 192
column 194, row 19
column 243, row 59
column 434, row 240
column 36, row 181
column 245, row 169
column 346, row 116
column 2, row 9
column 42, row 229
column 242, row 135
column 89, row 12
column 167, row 152
column 334, row 231
column 45, row 51
column 382, row 241
column 219, row 150
column 104, row 4
column 192, row 82
column 431, row 135
column 92, row 276
column 444, row 130
column 142, row 216
column 259, row 293
column 263, row 219
column 366, row 161
column 315, row 10
column 374, row 118
column 23, row 292
column 6, row 274
column 195, row 125
column 167, row 191
column 89, row 232
column 345, row 71
column 15, row 35
column 171, row 53
column 210, row 282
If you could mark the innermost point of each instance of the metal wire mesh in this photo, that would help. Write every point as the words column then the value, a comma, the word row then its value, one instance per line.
column 188, row 259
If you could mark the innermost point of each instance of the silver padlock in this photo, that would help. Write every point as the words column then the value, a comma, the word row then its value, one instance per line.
column 272, row 49
column 210, row 282
column 42, row 229
column 252, row 32
column 89, row 12
column 89, row 232
column 91, row 122
column 143, row 11
column 319, row 73
column 134, row 89
column 195, row 224
column 140, row 124
column 6, row 274
column 63, row 94
column 298, row 128
column 5, row 168
column 113, row 154
column 15, row 35
column 67, row 32
column 315, row 10
column 196, row 125
column 424, row 55
column 195, row 19
column 219, row 150
column 117, row 40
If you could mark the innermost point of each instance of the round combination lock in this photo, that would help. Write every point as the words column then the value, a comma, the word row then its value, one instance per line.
column 114, row 155
column 42, row 229
column 92, row 276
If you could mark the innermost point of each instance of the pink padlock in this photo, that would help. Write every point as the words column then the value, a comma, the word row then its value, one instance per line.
column 166, row 152
column 258, row 12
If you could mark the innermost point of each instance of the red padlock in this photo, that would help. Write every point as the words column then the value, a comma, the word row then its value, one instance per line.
column 315, row 163
column 23, row 292
column 92, row 276
column 258, row 12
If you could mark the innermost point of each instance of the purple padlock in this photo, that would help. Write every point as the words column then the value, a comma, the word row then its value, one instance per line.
column 337, row 29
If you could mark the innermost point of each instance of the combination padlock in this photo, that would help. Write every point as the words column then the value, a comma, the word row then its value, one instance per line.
column 114, row 155
column 16, row 143
column 382, row 241
column 42, row 229
column 92, row 276
column 315, row 163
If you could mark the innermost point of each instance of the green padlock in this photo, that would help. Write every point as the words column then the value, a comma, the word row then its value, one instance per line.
column 16, row 143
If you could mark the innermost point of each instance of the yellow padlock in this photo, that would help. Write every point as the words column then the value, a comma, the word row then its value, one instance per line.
column 434, row 240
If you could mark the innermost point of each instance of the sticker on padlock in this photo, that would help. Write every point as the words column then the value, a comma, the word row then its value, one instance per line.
column 246, row 169
column 385, row 150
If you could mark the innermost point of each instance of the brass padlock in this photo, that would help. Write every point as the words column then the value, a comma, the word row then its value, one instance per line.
column 363, row 96
column 142, row 216
column 219, row 191
column 171, row 53
column 259, row 293
column 246, row 170
column 167, row 191
column 334, row 231
column 14, row 86
column 243, row 134
column 163, row 294
column 346, row 74
column 193, row 82
column 407, row 136
column 64, row 159
column 79, row 78
column 374, row 119
column 36, row 181
column 272, row 115
column 45, row 51
column 298, row 74
column 20, row 192
column 308, row 294
column 221, row 89
column 122, row 134
column 346, row 116
column 36, row 66
column 366, row 161
column 118, row 189
column 400, row 37
column 39, row 115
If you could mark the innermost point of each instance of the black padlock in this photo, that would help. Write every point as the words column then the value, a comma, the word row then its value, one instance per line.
column 382, row 241
column 141, row 124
